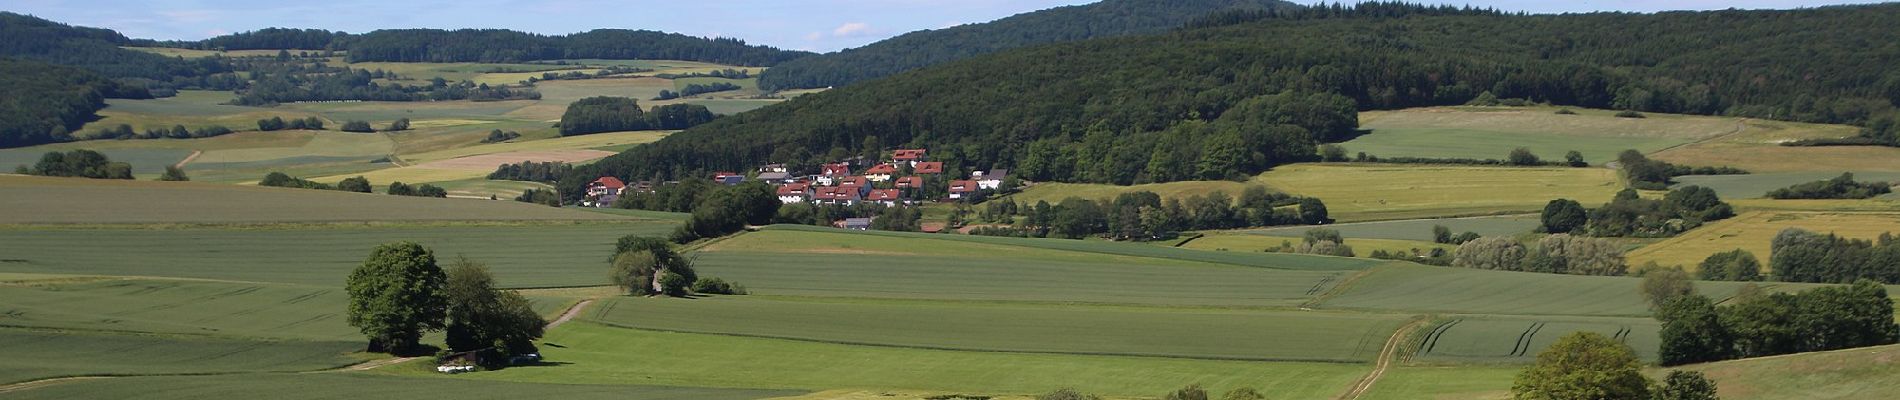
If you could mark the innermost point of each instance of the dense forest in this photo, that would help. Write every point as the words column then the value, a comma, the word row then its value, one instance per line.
column 94, row 49
column 499, row 45
column 1141, row 100
column 930, row 47
column 616, row 114
column 44, row 103
column 266, row 39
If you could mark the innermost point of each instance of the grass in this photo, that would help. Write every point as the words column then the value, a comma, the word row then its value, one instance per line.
column 1417, row 288
column 145, row 162
column 1359, row 192
column 1864, row 373
column 1484, row 340
column 523, row 255
column 41, row 200
column 1754, row 231
column 1758, row 185
column 1222, row 241
column 1467, row 382
column 582, row 142
column 365, row 386
column 1417, row 230
column 596, row 354
column 192, row 109
column 1492, row 132
column 1757, row 148
column 866, row 266
column 35, row 355
column 1205, row 334
column 183, row 308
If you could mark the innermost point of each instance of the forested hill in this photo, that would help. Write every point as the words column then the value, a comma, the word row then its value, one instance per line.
column 29, row 37
column 931, row 47
column 496, row 45
column 1143, row 108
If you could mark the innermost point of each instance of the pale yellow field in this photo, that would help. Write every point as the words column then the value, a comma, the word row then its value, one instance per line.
column 1545, row 120
column 1363, row 248
column 318, row 144
column 1757, row 148
column 563, row 143
column 1754, row 231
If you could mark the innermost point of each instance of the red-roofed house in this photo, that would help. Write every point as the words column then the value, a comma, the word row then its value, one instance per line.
column 910, row 182
column 880, row 172
column 603, row 192
column 889, row 197
column 794, row 193
column 836, row 195
column 910, row 156
column 828, row 173
column 728, row 178
column 963, row 190
column 929, row 168
column 854, row 180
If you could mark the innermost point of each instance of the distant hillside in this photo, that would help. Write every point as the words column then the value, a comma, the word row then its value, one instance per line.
column 95, row 49
column 43, row 103
column 1061, row 24
column 1123, row 110
column 495, row 45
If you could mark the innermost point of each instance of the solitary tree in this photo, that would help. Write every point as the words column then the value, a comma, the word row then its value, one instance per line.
column 1661, row 285
column 396, row 295
column 481, row 316
column 358, row 184
column 1583, row 365
column 174, row 174
column 1523, row 156
column 1575, row 159
column 1563, row 216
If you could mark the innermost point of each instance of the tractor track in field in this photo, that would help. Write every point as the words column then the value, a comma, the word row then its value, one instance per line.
column 1386, row 358
column 194, row 155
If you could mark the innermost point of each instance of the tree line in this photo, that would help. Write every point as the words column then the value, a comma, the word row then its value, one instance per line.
column 1802, row 256
column 1111, row 100
column 1647, row 174
column 1840, row 187
column 1756, row 324
column 1555, row 254
column 1145, row 216
column 356, row 184
column 531, row 171
column 80, row 163
column 278, row 124
column 1628, row 214
column 614, row 114
column 506, row 46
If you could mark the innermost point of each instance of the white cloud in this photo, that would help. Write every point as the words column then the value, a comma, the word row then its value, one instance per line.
column 851, row 29
column 189, row 16
column 814, row 36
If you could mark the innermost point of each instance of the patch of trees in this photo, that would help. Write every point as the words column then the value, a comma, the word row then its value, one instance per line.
column 98, row 50
column 1841, row 187
column 498, row 136
column 421, row 190
column 730, row 210
column 649, row 266
column 1145, row 216
column 270, row 88
column 278, row 124
column 358, row 127
column 540, row 196
column 279, row 179
column 1127, row 90
column 506, row 46
column 1737, row 265
column 1325, row 242
column 931, row 47
column 80, row 163
column 695, row 89
column 1521, row 157
column 1630, row 215
column 530, row 171
column 584, row 75
column 400, row 124
column 124, row 131
column 44, row 103
column 1555, row 254
column 1442, row 235
column 1589, row 365
column 615, row 114
column 173, row 174
column 1803, row 256
column 1647, row 174
column 1755, row 324
column 357, row 184
column 399, row 293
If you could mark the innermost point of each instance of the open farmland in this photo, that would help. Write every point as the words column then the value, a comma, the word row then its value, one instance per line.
column 1755, row 232
column 38, row 200
column 1417, row 229
column 1480, row 339
column 1462, row 382
column 35, row 355
column 1864, row 373
column 1758, row 148
column 597, row 354
column 1418, row 288
column 1206, row 334
column 358, row 385
column 1758, row 185
column 190, row 108
column 1492, row 132
column 583, row 142
column 1240, row 242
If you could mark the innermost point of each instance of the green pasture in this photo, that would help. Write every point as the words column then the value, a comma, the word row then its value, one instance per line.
column 364, row 386
column 589, row 353
column 1418, row 230
column 1758, row 185
column 1464, row 382
column 1419, row 288
column 1362, row 192
column 381, row 113
column 1183, row 333
column 145, row 162
column 32, row 355
column 1864, row 373
column 41, row 200
column 847, row 239
column 524, row 255
column 1478, row 339
column 1492, row 132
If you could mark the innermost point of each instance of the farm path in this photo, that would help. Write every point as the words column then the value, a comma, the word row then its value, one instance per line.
column 29, row 385
column 194, row 155
column 1386, row 358
column 570, row 314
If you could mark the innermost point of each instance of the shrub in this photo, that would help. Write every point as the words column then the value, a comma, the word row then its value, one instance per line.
column 1523, row 157
column 357, row 127
column 1738, row 265
column 1629, row 114
column 717, row 286
column 174, row 174
column 1565, row 111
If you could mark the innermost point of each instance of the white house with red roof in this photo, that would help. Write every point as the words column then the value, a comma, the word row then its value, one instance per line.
column 841, row 195
column 910, row 182
column 829, row 173
column 963, row 190
column 908, row 156
column 794, row 193
column 881, row 172
column 928, row 168
column 603, row 192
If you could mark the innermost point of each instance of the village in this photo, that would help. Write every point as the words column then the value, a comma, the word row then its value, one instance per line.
column 906, row 178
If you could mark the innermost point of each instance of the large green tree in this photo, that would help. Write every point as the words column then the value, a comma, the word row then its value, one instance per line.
column 648, row 266
column 396, row 295
column 1692, row 332
column 479, row 315
column 1563, row 216
column 1583, row 366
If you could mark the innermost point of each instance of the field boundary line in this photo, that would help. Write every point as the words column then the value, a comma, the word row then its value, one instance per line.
column 194, row 156
column 1338, row 288
column 1384, row 362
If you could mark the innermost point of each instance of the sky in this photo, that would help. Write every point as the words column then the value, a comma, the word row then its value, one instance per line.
column 812, row 25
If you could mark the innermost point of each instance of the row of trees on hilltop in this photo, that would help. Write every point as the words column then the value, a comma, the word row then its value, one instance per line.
column 1756, row 324
column 506, row 46
column 614, row 114
column 44, row 103
column 1112, row 101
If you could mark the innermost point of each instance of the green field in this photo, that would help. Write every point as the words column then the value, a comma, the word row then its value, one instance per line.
column 40, row 200
column 363, row 386
column 1758, row 185
column 1480, row 339
column 1757, row 148
column 1464, row 382
column 1418, row 230
column 1865, row 373
column 1237, row 242
column 1419, row 288
column 596, row 354
column 1183, row 333
column 35, row 355
column 1492, row 132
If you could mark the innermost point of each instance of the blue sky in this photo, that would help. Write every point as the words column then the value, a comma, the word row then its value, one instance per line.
column 816, row 25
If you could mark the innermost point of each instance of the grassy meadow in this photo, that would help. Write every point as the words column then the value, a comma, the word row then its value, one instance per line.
column 1485, row 339
column 33, row 355
column 1416, row 230
column 1757, row 148
column 1755, row 232
column 1864, row 373
column 360, row 385
column 40, row 200
column 1492, row 132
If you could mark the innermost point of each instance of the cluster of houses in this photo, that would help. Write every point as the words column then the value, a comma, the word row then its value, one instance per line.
column 883, row 182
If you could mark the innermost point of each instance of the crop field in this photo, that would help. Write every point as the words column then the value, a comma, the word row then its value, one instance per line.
column 191, row 108
column 1417, row 288
column 38, row 355
column 525, row 255
column 1222, row 241
column 1463, row 382
column 1755, row 231
column 596, row 354
column 1865, row 373
column 182, row 307
column 1492, row 132
column 1417, row 230
column 1757, row 149
column 1381, row 192
column 40, row 200
column 1478, row 339
column 583, row 142
column 364, row 386
column 1209, row 334
column 145, row 162
column 1758, row 185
